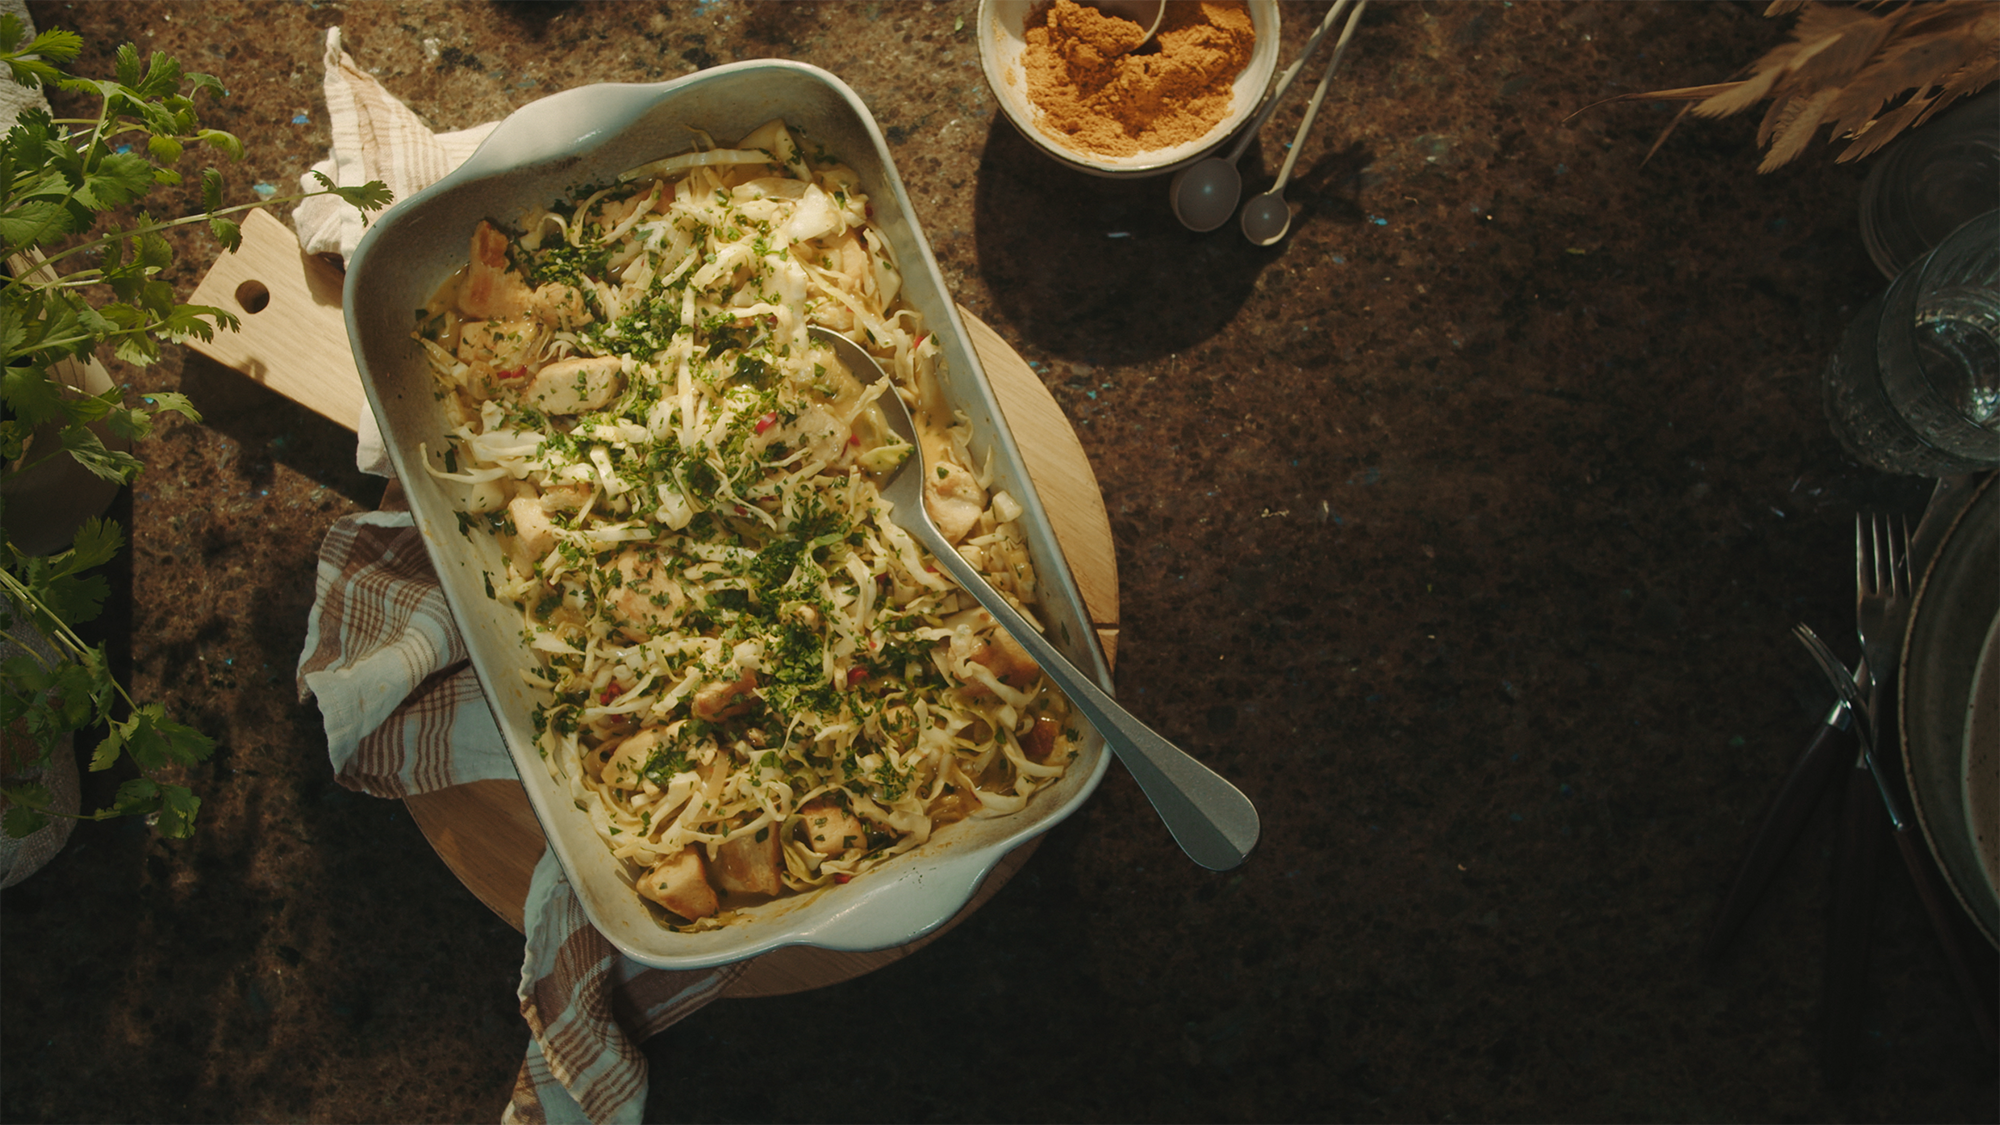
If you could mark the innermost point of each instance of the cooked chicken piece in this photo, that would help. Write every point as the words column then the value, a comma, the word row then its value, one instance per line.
column 534, row 533
column 817, row 431
column 627, row 764
column 954, row 499
column 679, row 883
column 830, row 829
column 1040, row 741
column 747, row 865
column 572, row 386
column 565, row 497
column 649, row 601
column 559, row 306
column 491, row 290
column 719, row 701
column 979, row 641
column 504, row 346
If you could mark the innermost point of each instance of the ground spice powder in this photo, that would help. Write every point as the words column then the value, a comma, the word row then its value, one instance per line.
column 1100, row 96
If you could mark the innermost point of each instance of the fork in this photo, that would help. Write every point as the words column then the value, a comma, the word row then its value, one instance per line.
column 1881, row 610
column 1212, row 821
column 1921, row 871
column 1881, row 604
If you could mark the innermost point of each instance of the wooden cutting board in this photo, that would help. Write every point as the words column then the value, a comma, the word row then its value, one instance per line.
column 294, row 341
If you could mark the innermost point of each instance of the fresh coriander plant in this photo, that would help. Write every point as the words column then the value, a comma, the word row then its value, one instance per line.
column 83, row 271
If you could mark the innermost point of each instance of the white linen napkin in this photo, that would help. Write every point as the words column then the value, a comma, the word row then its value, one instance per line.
column 375, row 137
column 405, row 715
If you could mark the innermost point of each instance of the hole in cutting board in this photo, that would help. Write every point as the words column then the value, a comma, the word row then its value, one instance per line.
column 254, row 296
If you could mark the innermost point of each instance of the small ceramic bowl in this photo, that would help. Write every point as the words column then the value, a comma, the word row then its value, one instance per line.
column 1002, row 42
column 548, row 150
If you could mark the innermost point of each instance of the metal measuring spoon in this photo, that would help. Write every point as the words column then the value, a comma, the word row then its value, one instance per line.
column 1146, row 13
column 1204, row 194
column 1212, row 821
column 1266, row 218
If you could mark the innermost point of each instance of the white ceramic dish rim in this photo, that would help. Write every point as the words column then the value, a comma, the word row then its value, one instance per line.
column 538, row 154
column 1000, row 47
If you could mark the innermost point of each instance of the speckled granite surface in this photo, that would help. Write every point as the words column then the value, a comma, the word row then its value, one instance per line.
column 1464, row 530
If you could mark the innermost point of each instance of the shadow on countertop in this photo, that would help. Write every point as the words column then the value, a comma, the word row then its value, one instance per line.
column 1110, row 275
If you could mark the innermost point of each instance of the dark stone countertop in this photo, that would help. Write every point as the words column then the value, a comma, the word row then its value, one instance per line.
column 1464, row 530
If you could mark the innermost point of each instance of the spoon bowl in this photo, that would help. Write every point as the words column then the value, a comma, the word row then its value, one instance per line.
column 1204, row 194
column 1212, row 821
column 1267, row 218
column 1146, row 13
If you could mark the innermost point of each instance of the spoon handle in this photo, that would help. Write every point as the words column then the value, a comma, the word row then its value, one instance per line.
column 1285, row 82
column 1319, row 95
column 1212, row 821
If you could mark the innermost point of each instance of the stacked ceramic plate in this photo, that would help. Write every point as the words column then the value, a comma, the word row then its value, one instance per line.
column 1951, row 706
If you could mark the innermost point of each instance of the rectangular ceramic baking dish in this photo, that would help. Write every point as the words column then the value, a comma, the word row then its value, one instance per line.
column 544, row 152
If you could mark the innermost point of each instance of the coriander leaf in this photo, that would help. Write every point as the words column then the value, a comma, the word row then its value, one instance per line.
column 12, row 332
column 118, row 179
column 28, row 673
column 153, row 251
column 371, row 196
column 216, row 138
column 199, row 321
column 108, row 749
column 137, row 350
column 31, row 394
column 144, row 741
column 56, row 46
column 126, row 66
column 97, row 542
column 132, row 425
column 33, row 223
column 139, row 795
column 20, row 821
column 108, row 464
column 174, row 400
column 166, row 150
column 178, row 807
column 163, row 77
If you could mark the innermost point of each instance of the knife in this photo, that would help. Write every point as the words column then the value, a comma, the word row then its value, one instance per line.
column 1783, row 820
column 1857, row 874
column 1829, row 746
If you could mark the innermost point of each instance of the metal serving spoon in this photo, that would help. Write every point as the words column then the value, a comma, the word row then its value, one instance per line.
column 1212, row 821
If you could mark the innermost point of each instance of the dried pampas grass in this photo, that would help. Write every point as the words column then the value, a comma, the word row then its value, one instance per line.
column 1843, row 65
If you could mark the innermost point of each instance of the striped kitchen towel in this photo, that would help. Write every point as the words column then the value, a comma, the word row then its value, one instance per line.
column 404, row 715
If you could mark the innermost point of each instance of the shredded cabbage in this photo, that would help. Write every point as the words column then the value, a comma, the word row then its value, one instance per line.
column 754, row 682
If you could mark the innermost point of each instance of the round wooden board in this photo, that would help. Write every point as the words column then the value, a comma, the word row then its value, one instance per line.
column 486, row 831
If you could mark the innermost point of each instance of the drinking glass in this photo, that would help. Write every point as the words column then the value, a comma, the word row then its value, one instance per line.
column 1915, row 387
column 1930, row 180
